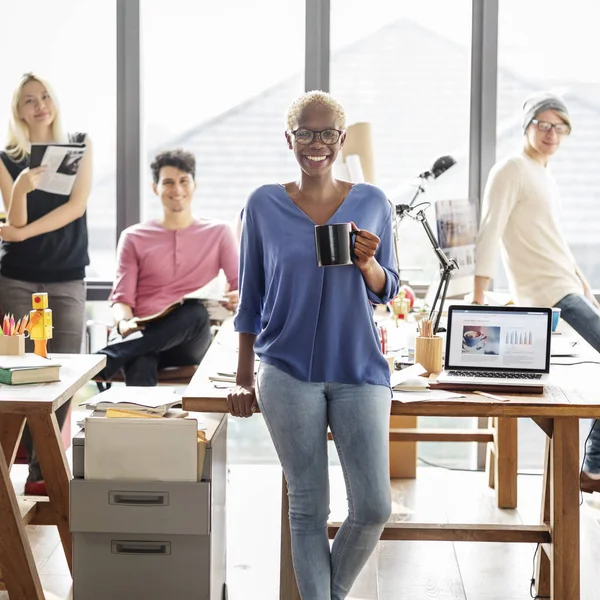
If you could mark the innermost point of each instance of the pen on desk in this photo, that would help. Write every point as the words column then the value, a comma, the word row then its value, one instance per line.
column 224, row 386
column 492, row 396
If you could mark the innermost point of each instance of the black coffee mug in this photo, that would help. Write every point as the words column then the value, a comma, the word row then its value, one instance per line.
column 335, row 244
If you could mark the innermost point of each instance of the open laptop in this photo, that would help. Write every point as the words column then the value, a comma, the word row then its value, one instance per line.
column 504, row 347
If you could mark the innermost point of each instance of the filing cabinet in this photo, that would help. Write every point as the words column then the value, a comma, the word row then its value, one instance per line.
column 151, row 540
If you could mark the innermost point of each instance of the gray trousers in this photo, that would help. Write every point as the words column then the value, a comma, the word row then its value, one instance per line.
column 67, row 301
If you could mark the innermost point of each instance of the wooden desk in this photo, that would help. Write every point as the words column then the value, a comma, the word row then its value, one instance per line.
column 556, row 412
column 36, row 404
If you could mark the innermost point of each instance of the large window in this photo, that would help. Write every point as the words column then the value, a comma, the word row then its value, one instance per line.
column 405, row 67
column 217, row 79
column 547, row 45
column 72, row 44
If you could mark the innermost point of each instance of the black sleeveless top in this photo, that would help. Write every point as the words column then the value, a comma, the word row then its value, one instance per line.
column 59, row 255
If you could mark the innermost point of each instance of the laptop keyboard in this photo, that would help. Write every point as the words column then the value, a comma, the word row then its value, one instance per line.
column 495, row 374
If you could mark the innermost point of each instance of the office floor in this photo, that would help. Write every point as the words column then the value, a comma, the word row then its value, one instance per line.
column 397, row 570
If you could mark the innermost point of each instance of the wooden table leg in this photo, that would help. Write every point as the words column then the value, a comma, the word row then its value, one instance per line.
column 57, row 475
column 288, row 589
column 16, row 559
column 11, row 428
column 490, row 456
column 505, row 469
column 403, row 455
column 542, row 567
column 564, row 510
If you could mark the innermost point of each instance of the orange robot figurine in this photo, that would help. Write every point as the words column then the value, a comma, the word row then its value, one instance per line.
column 40, row 324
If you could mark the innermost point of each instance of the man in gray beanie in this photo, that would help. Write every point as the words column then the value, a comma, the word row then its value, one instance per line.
column 542, row 102
column 520, row 213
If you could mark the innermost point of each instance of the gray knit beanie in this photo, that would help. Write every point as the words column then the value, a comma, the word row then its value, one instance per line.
column 539, row 103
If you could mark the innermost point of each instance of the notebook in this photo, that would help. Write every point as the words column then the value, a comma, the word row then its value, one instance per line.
column 28, row 368
column 502, row 347
column 152, row 400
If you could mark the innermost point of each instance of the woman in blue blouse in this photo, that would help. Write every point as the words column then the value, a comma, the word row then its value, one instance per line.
column 320, row 358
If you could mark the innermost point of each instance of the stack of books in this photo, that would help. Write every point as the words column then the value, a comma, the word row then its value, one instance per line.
column 144, row 400
column 27, row 368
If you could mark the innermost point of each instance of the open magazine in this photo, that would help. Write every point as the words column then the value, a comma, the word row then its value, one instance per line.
column 211, row 295
column 62, row 161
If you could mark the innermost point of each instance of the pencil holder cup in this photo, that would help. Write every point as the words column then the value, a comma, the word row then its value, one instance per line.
column 428, row 353
column 12, row 345
column 390, row 361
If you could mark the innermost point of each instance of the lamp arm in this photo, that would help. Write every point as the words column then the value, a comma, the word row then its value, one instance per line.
column 447, row 266
column 445, row 262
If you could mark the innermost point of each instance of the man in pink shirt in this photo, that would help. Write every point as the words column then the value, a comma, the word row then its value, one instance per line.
column 158, row 264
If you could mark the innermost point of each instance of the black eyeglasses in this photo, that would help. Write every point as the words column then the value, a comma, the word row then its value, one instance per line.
column 546, row 126
column 307, row 136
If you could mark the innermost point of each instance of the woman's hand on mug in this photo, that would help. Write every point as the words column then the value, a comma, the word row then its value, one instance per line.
column 29, row 179
column 241, row 401
column 365, row 247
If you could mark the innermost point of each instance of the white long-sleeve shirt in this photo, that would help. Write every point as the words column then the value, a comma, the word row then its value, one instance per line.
column 520, row 214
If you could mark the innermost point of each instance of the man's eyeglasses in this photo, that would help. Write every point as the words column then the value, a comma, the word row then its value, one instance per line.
column 545, row 127
column 307, row 136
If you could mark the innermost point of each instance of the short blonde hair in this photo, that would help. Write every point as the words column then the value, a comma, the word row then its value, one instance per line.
column 316, row 97
column 18, row 144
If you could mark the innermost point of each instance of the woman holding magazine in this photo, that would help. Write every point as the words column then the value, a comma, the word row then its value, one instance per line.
column 321, row 363
column 45, row 241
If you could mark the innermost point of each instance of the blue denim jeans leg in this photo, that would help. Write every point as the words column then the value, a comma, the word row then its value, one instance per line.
column 584, row 318
column 297, row 415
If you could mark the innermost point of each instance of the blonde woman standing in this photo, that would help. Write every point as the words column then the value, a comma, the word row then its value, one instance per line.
column 44, row 244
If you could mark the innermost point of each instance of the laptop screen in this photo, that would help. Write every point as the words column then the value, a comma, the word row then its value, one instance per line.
column 505, row 338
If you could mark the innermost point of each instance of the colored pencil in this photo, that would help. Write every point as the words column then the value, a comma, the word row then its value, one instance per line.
column 24, row 324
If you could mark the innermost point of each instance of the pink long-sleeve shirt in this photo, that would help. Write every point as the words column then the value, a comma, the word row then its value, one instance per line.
column 156, row 267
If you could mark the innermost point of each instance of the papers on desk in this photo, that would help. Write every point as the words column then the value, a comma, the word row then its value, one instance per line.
column 427, row 396
column 409, row 379
column 564, row 346
column 409, row 386
column 226, row 377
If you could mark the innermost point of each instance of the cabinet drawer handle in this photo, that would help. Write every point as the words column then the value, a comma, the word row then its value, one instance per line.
column 133, row 547
column 139, row 498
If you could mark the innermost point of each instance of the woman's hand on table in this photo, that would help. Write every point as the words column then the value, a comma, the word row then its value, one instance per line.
column 241, row 401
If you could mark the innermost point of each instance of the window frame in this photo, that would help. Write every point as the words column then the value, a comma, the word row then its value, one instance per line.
column 131, row 162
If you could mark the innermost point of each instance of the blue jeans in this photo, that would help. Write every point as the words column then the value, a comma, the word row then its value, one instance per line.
column 297, row 415
column 584, row 318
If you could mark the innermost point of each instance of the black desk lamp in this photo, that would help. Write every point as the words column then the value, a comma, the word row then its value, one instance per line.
column 447, row 265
